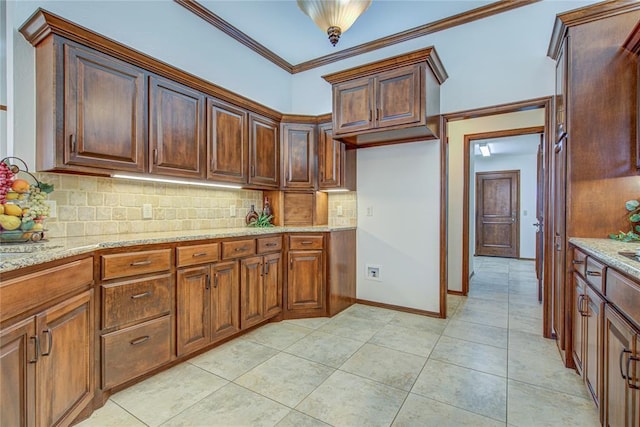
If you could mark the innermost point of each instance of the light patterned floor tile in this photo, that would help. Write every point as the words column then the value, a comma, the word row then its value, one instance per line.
column 277, row 335
column 328, row 349
column 111, row 415
column 475, row 332
column 485, row 358
column 234, row 358
column 408, row 340
column 298, row 419
column 352, row 327
column 417, row 321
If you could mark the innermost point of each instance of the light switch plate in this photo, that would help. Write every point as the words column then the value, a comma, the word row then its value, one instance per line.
column 339, row 210
column 232, row 210
column 147, row 211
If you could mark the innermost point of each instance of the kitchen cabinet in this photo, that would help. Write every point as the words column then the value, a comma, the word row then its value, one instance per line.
column 176, row 129
column 299, row 156
column 594, row 319
column 227, row 142
column 336, row 162
column 305, row 276
column 390, row 101
column 632, row 44
column 264, row 152
column 578, row 322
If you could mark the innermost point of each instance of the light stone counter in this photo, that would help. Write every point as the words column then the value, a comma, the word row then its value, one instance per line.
column 14, row 256
column 608, row 250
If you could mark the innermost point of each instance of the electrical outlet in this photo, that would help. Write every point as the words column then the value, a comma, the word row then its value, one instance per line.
column 147, row 211
column 53, row 208
column 232, row 211
column 339, row 210
column 370, row 211
column 373, row 272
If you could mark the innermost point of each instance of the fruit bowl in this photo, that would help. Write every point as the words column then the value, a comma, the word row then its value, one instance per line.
column 19, row 236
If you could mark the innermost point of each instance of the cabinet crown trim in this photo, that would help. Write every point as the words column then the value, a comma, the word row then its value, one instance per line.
column 428, row 55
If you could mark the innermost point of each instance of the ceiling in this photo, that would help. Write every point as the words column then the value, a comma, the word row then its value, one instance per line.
column 510, row 145
column 282, row 28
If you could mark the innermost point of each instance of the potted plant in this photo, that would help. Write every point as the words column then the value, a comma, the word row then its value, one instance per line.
column 633, row 207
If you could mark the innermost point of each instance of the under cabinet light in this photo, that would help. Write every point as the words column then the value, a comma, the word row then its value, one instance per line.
column 335, row 190
column 175, row 181
column 484, row 150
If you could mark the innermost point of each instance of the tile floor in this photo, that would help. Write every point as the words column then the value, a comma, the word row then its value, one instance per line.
column 486, row 365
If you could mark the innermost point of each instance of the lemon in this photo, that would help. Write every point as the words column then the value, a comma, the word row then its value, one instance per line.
column 14, row 210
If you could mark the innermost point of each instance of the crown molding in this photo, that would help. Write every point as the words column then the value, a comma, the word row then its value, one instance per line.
column 429, row 28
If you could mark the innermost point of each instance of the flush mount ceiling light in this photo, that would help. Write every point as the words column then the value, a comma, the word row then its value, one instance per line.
column 484, row 150
column 334, row 16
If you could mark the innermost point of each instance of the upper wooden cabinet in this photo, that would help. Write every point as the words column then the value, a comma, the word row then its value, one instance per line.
column 264, row 152
column 299, row 155
column 176, row 131
column 227, row 142
column 336, row 163
column 390, row 101
column 632, row 44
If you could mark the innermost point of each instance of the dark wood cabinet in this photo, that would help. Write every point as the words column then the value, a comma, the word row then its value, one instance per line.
column 299, row 156
column 594, row 318
column 252, row 290
column 577, row 315
column 227, row 142
column 225, row 300
column 336, row 162
column 560, row 100
column 193, row 318
column 176, row 129
column 261, row 283
column 306, row 289
column 264, row 152
column 632, row 44
column 104, row 112
column 390, row 101
column 272, row 284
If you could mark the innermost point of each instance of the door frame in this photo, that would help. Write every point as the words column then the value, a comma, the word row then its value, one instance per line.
column 516, row 174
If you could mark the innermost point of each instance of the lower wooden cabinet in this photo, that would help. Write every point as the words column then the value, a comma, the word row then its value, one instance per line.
column 593, row 324
column 577, row 317
column 305, row 283
column 260, row 288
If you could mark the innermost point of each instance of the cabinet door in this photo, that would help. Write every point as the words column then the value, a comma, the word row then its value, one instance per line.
column 593, row 344
column 560, row 106
column 305, row 283
column 226, row 142
column 619, row 344
column 251, row 292
column 272, row 284
column 299, row 144
column 331, row 153
column 225, row 300
column 264, row 152
column 65, row 369
column 559, row 251
column 353, row 103
column 18, row 355
column 176, row 131
column 578, row 322
column 104, row 117
column 193, row 308
column 398, row 97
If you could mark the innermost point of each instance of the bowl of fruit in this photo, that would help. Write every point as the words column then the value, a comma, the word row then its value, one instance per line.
column 23, row 207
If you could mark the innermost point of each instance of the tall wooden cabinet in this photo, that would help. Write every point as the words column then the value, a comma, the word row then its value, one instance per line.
column 298, row 156
column 336, row 162
column 595, row 134
column 264, row 152
column 227, row 142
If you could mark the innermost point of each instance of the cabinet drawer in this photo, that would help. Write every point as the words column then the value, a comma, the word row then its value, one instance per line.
column 579, row 261
column 127, row 302
column 238, row 248
column 133, row 263
column 305, row 242
column 131, row 352
column 197, row 254
column 595, row 274
column 27, row 292
column 269, row 244
column 624, row 293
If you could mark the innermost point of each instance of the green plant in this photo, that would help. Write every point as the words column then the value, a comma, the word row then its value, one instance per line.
column 633, row 207
column 262, row 221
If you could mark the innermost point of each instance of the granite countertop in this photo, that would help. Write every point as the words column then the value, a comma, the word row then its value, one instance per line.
column 608, row 250
column 15, row 256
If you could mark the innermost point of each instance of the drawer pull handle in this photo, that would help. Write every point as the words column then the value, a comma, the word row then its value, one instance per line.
column 142, row 295
column 271, row 245
column 207, row 285
column 199, row 254
column 630, row 380
column 139, row 340
column 49, row 342
column 36, row 340
column 624, row 377
column 577, row 261
column 594, row 273
column 215, row 280
column 243, row 248
column 306, row 242
column 140, row 263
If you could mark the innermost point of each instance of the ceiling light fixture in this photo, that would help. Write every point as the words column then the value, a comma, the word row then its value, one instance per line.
column 334, row 16
column 175, row 181
column 484, row 150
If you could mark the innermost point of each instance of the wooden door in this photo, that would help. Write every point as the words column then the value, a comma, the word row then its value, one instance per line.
column 64, row 372
column 619, row 344
column 104, row 118
column 353, row 103
column 272, row 280
column 251, row 292
column 558, row 177
column 227, row 145
column 264, row 152
column 225, row 300
column 540, row 197
column 593, row 344
column 18, row 355
column 497, row 219
column 578, row 323
column 176, row 131
column 193, row 300
column 331, row 153
column 299, row 155
column 305, row 282
column 398, row 95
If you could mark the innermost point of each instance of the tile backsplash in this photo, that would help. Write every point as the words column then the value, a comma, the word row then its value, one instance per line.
column 89, row 205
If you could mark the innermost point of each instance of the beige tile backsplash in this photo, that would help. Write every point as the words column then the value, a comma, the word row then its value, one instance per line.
column 89, row 205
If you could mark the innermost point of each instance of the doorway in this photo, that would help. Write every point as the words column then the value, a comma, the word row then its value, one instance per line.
column 498, row 214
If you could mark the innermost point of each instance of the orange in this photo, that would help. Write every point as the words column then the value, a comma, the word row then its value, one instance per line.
column 20, row 186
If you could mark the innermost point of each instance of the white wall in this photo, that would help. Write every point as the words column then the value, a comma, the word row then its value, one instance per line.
column 401, row 183
column 527, row 165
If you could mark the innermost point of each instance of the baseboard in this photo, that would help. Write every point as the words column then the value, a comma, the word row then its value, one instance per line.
column 527, row 259
column 399, row 308
column 451, row 292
